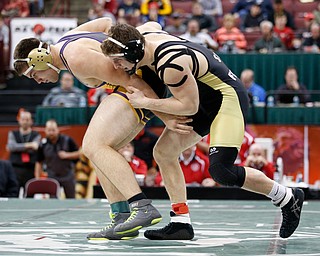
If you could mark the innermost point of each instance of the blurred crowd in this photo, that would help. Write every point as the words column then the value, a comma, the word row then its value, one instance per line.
column 262, row 26
column 240, row 26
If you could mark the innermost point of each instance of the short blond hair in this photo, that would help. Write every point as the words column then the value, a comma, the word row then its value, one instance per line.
column 228, row 17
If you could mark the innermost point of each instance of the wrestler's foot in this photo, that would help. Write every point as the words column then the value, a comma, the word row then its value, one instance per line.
column 173, row 231
column 143, row 214
column 107, row 233
column 291, row 213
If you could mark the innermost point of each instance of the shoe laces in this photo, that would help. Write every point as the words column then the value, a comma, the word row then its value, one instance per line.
column 167, row 227
column 291, row 213
column 285, row 215
column 109, row 226
column 295, row 208
column 133, row 214
column 112, row 224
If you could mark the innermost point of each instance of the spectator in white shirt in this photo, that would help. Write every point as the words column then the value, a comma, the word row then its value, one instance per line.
column 194, row 35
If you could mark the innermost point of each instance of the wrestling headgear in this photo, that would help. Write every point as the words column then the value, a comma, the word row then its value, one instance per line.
column 39, row 59
column 133, row 52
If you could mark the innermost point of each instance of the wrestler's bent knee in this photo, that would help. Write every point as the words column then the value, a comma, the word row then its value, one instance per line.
column 158, row 154
column 227, row 175
column 87, row 146
column 165, row 153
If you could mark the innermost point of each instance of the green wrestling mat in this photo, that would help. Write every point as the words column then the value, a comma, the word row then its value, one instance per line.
column 59, row 227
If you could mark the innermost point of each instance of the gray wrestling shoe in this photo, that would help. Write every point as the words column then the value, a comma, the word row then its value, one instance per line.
column 291, row 213
column 107, row 233
column 143, row 214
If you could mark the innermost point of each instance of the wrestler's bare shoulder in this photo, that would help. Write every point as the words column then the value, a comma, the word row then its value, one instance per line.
column 82, row 50
column 150, row 26
column 75, row 54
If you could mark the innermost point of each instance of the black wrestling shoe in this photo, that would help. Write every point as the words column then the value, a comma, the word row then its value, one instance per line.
column 173, row 231
column 291, row 213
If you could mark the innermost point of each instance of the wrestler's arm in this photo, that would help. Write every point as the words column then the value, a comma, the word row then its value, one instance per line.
column 185, row 100
column 97, row 25
column 91, row 64
column 104, row 70
column 174, row 122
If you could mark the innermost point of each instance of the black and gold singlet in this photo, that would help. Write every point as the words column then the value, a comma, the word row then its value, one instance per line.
column 223, row 98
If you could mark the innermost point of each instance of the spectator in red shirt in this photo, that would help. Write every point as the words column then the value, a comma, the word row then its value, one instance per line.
column 16, row 8
column 285, row 33
column 279, row 9
column 97, row 11
column 195, row 167
column 248, row 140
column 256, row 159
column 96, row 95
column 108, row 5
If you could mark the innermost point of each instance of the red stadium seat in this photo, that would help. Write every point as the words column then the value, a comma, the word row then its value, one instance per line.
column 42, row 186
column 288, row 5
column 183, row 7
column 303, row 6
column 227, row 5
column 299, row 22
column 251, row 38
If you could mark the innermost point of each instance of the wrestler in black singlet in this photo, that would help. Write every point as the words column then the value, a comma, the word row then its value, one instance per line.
column 211, row 91
column 223, row 98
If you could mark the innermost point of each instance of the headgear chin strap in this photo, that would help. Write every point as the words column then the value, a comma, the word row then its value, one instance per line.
column 39, row 59
column 133, row 52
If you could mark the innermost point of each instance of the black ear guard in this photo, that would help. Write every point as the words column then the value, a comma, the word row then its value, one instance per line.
column 134, row 51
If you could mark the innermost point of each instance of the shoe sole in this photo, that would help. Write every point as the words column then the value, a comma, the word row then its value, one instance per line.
column 173, row 231
column 169, row 237
column 153, row 222
column 106, row 239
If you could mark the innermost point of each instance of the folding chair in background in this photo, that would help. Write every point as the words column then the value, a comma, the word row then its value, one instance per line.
column 42, row 186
